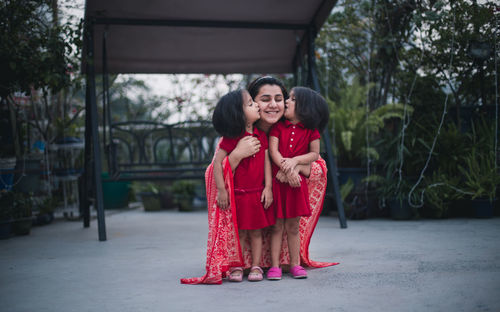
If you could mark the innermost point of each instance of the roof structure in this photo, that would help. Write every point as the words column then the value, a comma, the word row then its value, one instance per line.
column 216, row 36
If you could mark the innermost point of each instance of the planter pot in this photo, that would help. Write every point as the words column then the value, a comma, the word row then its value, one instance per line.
column 22, row 226
column 483, row 208
column 184, row 203
column 44, row 218
column 150, row 201
column 5, row 229
column 115, row 193
column 400, row 210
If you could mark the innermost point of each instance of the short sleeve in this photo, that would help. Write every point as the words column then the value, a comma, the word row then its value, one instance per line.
column 228, row 144
column 314, row 135
column 275, row 130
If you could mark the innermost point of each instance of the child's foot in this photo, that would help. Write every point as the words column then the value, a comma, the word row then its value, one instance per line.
column 255, row 274
column 298, row 272
column 274, row 274
column 236, row 274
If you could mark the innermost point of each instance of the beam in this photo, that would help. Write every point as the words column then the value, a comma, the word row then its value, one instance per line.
column 196, row 23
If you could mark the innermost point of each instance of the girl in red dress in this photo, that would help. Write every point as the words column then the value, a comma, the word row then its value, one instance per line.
column 294, row 141
column 233, row 118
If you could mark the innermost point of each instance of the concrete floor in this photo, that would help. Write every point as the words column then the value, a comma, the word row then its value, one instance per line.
column 425, row 265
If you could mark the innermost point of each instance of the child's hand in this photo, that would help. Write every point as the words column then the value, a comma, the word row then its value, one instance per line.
column 281, row 176
column 293, row 178
column 247, row 146
column 288, row 164
column 267, row 197
column 222, row 199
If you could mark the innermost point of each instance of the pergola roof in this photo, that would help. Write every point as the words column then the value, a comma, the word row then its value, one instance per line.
column 207, row 36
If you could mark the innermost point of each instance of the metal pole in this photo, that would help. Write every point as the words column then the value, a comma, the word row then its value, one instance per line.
column 314, row 83
column 87, row 175
column 95, row 137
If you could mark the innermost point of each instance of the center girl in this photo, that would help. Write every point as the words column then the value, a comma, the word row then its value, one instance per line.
column 233, row 118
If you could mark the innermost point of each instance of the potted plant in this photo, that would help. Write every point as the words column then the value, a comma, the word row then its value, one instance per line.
column 45, row 207
column 149, row 194
column 481, row 181
column 353, row 125
column 22, row 213
column 6, row 205
column 183, row 192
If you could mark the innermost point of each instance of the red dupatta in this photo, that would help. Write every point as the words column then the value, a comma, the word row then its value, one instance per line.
column 223, row 247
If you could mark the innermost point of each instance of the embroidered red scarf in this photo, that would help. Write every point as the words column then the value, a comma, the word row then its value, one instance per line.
column 223, row 247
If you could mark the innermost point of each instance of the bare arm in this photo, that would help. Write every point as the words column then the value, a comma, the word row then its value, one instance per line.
column 273, row 150
column 267, row 193
column 291, row 177
column 246, row 147
column 289, row 164
column 222, row 195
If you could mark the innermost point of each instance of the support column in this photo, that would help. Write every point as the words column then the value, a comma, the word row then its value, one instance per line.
column 92, row 120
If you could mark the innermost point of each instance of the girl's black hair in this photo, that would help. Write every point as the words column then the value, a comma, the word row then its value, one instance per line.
column 311, row 108
column 254, row 86
column 228, row 117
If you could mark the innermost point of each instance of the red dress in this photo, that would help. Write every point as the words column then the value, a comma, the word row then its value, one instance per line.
column 249, row 182
column 223, row 245
column 291, row 202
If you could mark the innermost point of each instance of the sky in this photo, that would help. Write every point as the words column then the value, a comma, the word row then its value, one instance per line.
column 162, row 84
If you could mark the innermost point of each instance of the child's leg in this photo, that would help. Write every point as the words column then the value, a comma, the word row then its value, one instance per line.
column 256, row 244
column 276, row 239
column 292, row 232
column 243, row 239
column 236, row 274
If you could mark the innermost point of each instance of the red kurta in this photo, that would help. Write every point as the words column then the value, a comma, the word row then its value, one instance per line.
column 291, row 202
column 249, row 181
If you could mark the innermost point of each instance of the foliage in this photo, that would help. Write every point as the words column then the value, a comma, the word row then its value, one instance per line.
column 36, row 51
column 183, row 188
column 388, row 43
column 145, row 187
column 23, row 205
column 6, row 205
column 481, row 177
column 352, row 122
column 38, row 55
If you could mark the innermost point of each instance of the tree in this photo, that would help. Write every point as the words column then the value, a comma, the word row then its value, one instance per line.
column 37, row 56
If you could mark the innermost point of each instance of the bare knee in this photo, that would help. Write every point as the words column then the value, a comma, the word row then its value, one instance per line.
column 255, row 234
column 292, row 226
column 278, row 227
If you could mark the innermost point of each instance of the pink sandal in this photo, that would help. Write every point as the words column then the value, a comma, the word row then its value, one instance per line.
column 255, row 276
column 274, row 274
column 237, row 277
column 298, row 272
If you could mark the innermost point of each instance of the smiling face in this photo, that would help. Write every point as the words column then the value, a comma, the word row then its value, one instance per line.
column 250, row 109
column 272, row 105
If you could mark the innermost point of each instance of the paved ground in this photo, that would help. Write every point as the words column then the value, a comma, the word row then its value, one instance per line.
column 428, row 265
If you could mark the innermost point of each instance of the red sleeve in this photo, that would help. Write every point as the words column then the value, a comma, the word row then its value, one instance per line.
column 275, row 130
column 314, row 135
column 263, row 141
column 228, row 144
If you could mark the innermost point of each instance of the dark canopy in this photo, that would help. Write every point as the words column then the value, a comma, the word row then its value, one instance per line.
column 215, row 36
